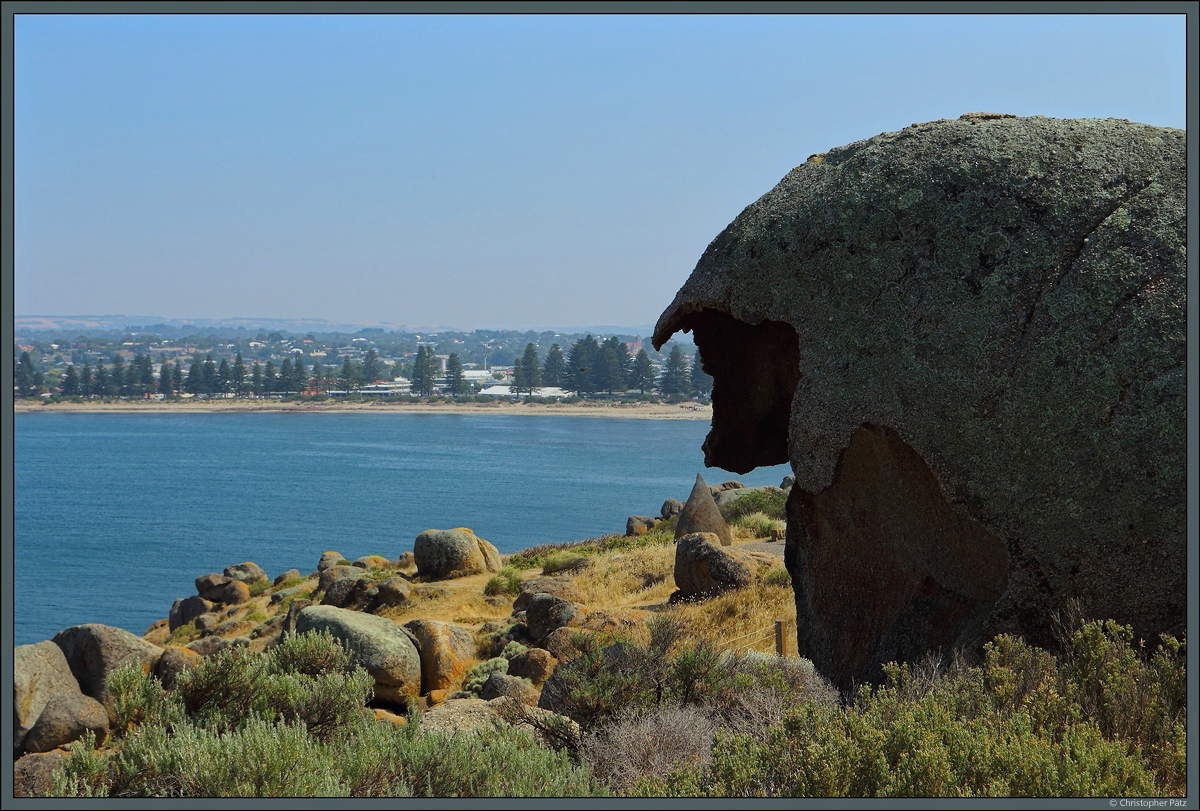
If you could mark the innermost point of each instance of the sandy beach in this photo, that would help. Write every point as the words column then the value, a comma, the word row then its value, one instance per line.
column 684, row 411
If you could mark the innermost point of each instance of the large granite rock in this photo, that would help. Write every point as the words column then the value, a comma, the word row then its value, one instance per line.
column 446, row 651
column 700, row 514
column 40, row 672
column 94, row 651
column 704, row 568
column 968, row 338
column 380, row 646
column 443, row 553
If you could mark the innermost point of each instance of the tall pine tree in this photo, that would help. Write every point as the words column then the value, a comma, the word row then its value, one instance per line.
column 581, row 365
column 641, row 377
column 456, row 383
column 70, row 383
column 239, row 374
column 554, row 368
column 166, row 385
column 532, row 370
column 675, row 378
column 371, row 368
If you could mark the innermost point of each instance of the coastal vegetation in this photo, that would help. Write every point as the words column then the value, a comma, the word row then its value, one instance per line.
column 649, row 697
column 662, row 714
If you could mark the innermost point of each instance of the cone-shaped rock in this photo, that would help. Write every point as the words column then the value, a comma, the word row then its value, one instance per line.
column 700, row 514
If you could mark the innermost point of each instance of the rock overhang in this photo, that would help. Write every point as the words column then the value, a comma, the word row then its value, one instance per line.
column 1002, row 294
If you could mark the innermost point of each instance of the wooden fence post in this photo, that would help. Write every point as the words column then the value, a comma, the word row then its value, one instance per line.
column 780, row 649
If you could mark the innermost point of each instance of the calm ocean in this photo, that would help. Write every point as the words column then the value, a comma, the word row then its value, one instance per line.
column 115, row 515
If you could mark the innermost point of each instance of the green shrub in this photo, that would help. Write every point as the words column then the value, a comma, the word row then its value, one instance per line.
column 769, row 502
column 309, row 654
column 182, row 633
column 480, row 673
column 513, row 648
column 260, row 587
column 138, row 699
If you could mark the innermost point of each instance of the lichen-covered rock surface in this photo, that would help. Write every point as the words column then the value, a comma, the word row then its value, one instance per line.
column 442, row 553
column 382, row 648
column 968, row 338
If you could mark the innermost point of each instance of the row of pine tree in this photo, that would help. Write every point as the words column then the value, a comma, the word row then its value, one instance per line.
column 589, row 367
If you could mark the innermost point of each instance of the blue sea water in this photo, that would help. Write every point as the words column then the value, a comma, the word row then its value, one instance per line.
column 115, row 515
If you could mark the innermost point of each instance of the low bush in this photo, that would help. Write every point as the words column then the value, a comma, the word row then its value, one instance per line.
column 1098, row 723
column 771, row 503
column 506, row 581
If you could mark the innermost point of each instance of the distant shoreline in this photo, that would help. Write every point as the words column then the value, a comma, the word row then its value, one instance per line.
column 685, row 411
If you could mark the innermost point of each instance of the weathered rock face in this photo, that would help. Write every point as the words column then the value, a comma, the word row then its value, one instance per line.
column 446, row 651
column 968, row 338
column 560, row 586
column 380, row 646
column 546, row 613
column 442, row 553
column 40, row 672
column 65, row 718
column 700, row 514
column 94, row 651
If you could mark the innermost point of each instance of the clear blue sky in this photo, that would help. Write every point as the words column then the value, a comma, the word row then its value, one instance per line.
column 482, row 171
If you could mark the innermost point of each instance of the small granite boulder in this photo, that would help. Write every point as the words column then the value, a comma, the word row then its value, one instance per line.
column 547, row 613
column 393, row 591
column 406, row 560
column 348, row 592
column 40, row 672
column 212, row 580
column 703, row 568
column 502, row 684
column 671, row 507
column 380, row 646
column 445, row 553
column 186, row 610
column 446, row 652
column 246, row 572
column 367, row 561
column 290, row 574
column 283, row 594
column 329, row 559
column 559, row 586
column 65, row 718
column 534, row 664
column 233, row 592
column 174, row 660
column 700, row 514
column 637, row 525
column 33, row 775
column 332, row 574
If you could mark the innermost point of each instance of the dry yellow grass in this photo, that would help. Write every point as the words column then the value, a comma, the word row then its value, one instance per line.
column 632, row 585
